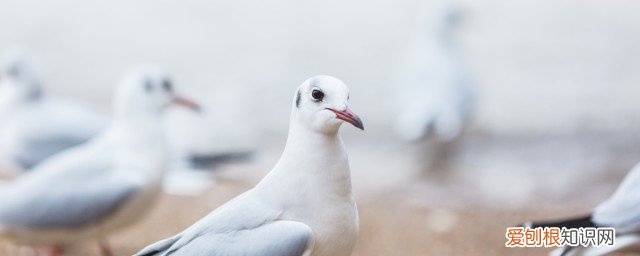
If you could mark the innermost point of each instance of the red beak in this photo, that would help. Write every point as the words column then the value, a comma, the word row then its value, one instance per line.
column 190, row 104
column 348, row 116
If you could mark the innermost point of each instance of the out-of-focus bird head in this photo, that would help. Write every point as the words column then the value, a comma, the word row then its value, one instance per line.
column 147, row 90
column 446, row 21
column 20, row 76
column 320, row 104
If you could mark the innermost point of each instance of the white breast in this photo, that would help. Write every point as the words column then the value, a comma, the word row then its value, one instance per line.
column 336, row 231
column 334, row 221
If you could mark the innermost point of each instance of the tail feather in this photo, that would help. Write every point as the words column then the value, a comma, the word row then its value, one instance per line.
column 160, row 247
column 566, row 251
column 579, row 222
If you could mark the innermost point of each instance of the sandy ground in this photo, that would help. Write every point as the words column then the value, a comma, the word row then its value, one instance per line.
column 459, row 207
column 388, row 228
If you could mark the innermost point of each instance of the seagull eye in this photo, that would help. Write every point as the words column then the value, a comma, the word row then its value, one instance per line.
column 317, row 95
column 167, row 85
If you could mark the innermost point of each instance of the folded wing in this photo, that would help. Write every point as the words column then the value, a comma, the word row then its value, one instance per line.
column 278, row 238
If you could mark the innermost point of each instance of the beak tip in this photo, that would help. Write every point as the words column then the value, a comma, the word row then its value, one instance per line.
column 349, row 117
column 189, row 104
column 358, row 123
column 197, row 109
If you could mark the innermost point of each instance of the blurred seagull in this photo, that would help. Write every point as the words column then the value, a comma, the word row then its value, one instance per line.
column 621, row 211
column 434, row 94
column 304, row 206
column 33, row 125
column 105, row 184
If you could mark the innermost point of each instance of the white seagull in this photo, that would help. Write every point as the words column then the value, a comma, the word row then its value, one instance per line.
column 108, row 183
column 304, row 206
column 34, row 125
column 434, row 95
column 621, row 211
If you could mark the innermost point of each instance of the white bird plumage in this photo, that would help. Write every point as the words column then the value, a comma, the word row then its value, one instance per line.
column 621, row 211
column 108, row 183
column 433, row 94
column 304, row 206
column 34, row 125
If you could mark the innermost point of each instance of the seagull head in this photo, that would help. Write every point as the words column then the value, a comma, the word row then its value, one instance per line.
column 148, row 90
column 320, row 104
column 20, row 75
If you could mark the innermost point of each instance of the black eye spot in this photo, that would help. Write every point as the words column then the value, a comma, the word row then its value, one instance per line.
column 167, row 85
column 317, row 95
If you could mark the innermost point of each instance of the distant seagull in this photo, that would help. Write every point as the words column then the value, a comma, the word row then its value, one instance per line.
column 34, row 125
column 621, row 211
column 105, row 184
column 304, row 206
column 434, row 91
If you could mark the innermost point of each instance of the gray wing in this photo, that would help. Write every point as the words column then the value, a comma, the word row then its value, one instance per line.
column 279, row 238
column 63, row 204
column 622, row 210
column 159, row 247
column 35, row 150
column 51, row 127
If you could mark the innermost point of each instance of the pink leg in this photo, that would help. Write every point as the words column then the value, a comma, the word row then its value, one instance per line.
column 105, row 249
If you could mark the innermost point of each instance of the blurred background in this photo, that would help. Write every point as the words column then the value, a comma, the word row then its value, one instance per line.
column 553, row 127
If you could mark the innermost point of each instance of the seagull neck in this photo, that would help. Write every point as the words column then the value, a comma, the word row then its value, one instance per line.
column 141, row 146
column 303, row 139
column 137, row 116
column 311, row 161
column 139, row 132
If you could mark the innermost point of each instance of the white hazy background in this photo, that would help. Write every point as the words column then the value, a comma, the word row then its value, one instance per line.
column 539, row 67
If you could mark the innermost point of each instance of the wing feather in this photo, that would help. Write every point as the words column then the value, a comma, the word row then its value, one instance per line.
column 278, row 238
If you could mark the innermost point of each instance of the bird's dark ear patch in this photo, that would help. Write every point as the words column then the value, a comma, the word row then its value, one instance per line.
column 167, row 85
column 298, row 99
